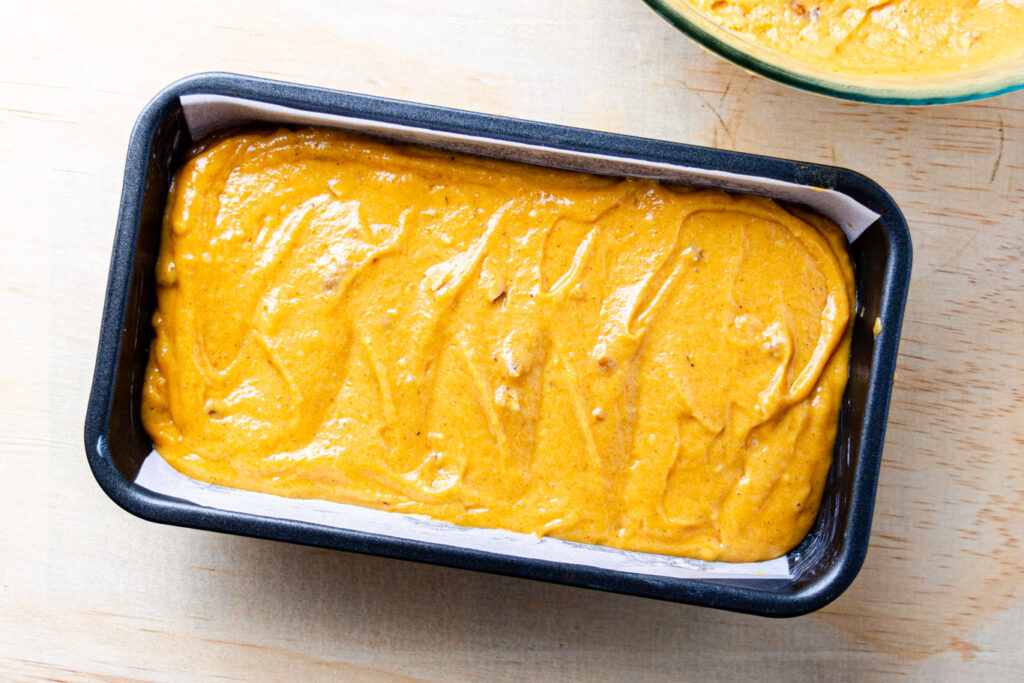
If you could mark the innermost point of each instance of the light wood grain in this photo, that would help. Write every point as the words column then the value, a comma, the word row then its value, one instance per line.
column 86, row 590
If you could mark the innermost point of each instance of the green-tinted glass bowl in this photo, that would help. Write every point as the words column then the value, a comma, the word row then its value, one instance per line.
column 966, row 85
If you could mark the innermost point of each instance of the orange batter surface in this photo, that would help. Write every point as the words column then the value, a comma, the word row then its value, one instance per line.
column 607, row 361
column 915, row 39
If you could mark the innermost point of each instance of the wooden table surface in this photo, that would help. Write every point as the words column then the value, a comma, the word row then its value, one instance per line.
column 87, row 590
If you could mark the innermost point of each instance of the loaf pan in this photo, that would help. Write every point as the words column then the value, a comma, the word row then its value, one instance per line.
column 820, row 568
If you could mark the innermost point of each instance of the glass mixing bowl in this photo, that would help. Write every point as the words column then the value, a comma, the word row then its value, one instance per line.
column 955, row 87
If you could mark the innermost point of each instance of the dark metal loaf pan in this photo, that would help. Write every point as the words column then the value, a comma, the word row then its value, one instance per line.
column 822, row 566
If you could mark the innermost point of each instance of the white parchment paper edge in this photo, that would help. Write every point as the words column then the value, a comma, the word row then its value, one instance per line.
column 206, row 114
column 157, row 475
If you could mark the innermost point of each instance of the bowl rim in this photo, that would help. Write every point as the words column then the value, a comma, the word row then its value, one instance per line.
column 146, row 504
column 672, row 12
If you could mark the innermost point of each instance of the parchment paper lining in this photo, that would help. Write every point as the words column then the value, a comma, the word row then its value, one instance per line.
column 206, row 114
column 156, row 475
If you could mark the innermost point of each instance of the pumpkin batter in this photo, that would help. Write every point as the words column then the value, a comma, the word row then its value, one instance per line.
column 608, row 361
column 880, row 38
